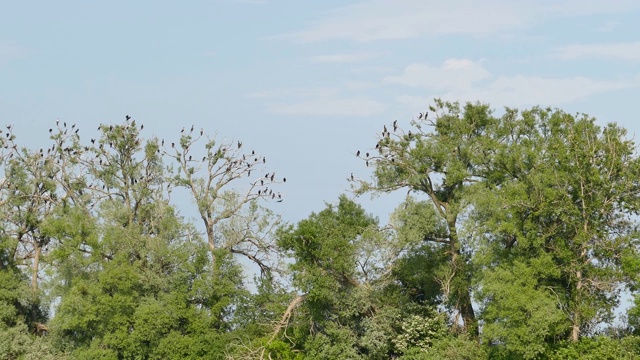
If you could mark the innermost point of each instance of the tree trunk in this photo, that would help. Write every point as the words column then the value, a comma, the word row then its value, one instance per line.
column 463, row 294
column 575, row 327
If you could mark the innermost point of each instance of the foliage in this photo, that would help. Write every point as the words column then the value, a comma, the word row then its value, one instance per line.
column 516, row 236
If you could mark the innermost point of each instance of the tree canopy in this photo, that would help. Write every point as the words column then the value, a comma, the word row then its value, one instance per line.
column 517, row 239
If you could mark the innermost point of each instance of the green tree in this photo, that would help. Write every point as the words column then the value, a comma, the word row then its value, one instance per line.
column 561, row 216
column 441, row 157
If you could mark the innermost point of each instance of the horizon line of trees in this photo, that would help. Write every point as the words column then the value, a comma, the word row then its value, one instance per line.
column 517, row 235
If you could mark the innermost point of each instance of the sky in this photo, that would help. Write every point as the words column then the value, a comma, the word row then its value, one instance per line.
column 309, row 83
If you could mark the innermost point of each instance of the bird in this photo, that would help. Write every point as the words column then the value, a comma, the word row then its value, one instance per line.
column 351, row 176
column 141, row 126
column 162, row 142
column 182, row 131
column 358, row 153
column 50, row 130
column 384, row 129
column 173, row 145
column 284, row 179
column 419, row 116
column 191, row 128
column 395, row 125
column 201, row 132
column 127, row 117
column 367, row 154
column 264, row 160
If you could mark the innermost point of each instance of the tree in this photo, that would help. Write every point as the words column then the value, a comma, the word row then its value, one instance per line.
column 559, row 216
column 440, row 157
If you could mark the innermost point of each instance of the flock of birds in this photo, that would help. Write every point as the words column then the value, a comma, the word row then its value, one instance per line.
column 386, row 134
column 234, row 163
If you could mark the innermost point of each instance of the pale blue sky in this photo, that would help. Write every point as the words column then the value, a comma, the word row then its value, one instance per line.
column 309, row 83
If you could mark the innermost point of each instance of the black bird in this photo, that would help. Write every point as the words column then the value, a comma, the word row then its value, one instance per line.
column 73, row 126
column 395, row 125
column 367, row 163
column 201, row 131
column 50, row 130
column 272, row 176
column 65, row 124
column 173, row 145
column 141, row 126
column 77, row 131
column 351, row 176
column 182, row 131
column 420, row 116
column 264, row 160
column 191, row 128
column 239, row 144
column 261, row 182
column 93, row 141
column 284, row 179
column 367, row 154
column 358, row 153
column 127, row 117
column 162, row 142
column 253, row 152
column 384, row 129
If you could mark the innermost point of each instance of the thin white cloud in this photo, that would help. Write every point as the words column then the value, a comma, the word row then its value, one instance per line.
column 466, row 80
column 453, row 74
column 343, row 58
column 620, row 51
column 404, row 19
column 349, row 106
column 9, row 52
column 304, row 92
column 321, row 100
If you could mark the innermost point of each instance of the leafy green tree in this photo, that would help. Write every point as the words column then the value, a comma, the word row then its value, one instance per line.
column 558, row 224
column 441, row 157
